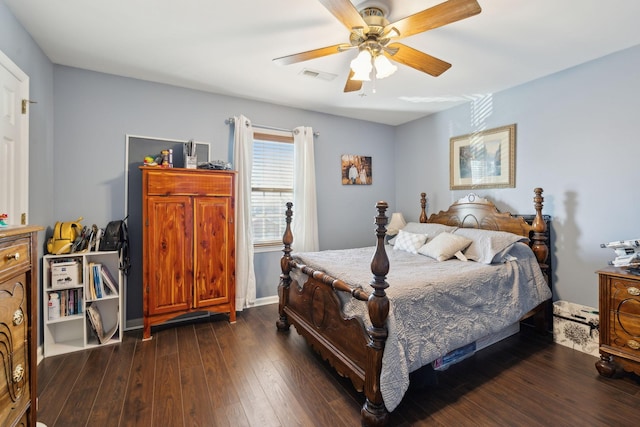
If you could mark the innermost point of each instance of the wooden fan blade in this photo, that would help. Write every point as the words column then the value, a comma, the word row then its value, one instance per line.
column 346, row 13
column 436, row 16
column 419, row 60
column 352, row 85
column 311, row 54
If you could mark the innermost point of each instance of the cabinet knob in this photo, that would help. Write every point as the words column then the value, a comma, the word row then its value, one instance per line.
column 18, row 374
column 633, row 291
column 633, row 344
column 15, row 256
column 18, row 317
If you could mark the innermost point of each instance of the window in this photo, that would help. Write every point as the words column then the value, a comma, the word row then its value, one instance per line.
column 271, row 185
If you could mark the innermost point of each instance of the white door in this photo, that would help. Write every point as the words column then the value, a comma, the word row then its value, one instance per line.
column 14, row 142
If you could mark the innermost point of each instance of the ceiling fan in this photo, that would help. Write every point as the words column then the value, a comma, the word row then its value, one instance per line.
column 376, row 39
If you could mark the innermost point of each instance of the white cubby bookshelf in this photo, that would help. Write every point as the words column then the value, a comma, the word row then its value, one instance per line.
column 72, row 331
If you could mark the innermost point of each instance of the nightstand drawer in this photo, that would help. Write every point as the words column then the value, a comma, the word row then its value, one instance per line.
column 625, row 296
column 625, row 332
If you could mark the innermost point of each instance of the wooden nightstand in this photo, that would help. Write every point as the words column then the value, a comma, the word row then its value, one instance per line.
column 619, row 322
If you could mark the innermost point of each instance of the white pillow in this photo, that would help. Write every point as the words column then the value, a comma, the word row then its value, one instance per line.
column 489, row 246
column 409, row 242
column 444, row 246
column 431, row 229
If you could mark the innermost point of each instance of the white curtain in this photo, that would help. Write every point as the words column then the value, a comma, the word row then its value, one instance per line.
column 243, row 160
column 305, row 212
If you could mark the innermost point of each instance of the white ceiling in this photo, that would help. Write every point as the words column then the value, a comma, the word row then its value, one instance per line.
column 227, row 47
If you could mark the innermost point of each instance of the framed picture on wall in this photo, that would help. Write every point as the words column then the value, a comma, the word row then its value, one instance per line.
column 484, row 159
column 356, row 170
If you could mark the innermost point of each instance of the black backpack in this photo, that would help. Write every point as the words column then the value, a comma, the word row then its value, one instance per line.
column 116, row 238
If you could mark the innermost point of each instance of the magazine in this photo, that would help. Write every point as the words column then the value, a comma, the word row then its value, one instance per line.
column 95, row 320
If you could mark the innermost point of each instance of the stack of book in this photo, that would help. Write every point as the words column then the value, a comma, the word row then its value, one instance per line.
column 101, row 282
column 627, row 254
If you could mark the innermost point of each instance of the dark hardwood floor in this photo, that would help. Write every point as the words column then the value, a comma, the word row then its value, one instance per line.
column 213, row 373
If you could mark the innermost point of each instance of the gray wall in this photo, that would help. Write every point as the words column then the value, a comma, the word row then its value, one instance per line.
column 95, row 111
column 576, row 138
column 18, row 45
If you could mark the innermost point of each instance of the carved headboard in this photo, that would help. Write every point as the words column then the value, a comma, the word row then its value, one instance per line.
column 473, row 211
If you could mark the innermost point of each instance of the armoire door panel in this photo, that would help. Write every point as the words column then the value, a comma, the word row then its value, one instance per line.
column 212, row 217
column 170, row 271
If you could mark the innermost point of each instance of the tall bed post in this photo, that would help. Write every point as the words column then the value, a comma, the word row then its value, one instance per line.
column 540, row 248
column 423, row 207
column 373, row 411
column 540, row 245
column 285, row 280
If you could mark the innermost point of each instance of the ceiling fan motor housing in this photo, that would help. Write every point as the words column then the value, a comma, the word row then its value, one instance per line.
column 371, row 31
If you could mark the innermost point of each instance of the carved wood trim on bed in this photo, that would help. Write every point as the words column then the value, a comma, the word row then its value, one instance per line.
column 316, row 311
column 473, row 211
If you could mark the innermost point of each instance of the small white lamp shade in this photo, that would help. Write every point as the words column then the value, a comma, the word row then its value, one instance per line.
column 384, row 67
column 362, row 66
column 396, row 224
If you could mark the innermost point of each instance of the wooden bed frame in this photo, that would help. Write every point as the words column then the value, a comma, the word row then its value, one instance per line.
column 353, row 350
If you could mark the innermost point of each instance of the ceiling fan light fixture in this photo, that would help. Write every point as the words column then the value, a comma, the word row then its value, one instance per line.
column 384, row 67
column 362, row 66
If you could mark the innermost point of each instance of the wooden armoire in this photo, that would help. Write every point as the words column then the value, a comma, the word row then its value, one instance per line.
column 188, row 243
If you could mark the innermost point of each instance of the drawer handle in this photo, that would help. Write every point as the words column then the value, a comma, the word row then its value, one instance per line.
column 633, row 344
column 18, row 317
column 18, row 374
column 15, row 256
column 634, row 291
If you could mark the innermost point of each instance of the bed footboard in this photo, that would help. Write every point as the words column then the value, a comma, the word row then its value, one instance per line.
column 315, row 309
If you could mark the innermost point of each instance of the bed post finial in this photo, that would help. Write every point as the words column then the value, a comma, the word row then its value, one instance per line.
column 539, row 226
column 285, row 280
column 373, row 411
column 423, row 207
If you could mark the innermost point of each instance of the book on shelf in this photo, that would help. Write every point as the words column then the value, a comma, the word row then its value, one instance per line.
column 95, row 320
column 108, row 279
column 70, row 302
column 97, row 279
column 96, row 284
column 91, row 288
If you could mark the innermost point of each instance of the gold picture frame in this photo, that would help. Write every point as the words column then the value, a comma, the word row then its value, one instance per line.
column 484, row 159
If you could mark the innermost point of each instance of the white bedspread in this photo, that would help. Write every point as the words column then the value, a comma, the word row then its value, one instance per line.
column 436, row 307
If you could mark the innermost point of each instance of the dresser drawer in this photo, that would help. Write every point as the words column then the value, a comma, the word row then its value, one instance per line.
column 625, row 332
column 625, row 296
column 14, row 256
column 14, row 352
column 189, row 182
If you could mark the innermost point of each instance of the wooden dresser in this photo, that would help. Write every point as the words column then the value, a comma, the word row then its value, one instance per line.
column 619, row 322
column 188, row 243
column 18, row 324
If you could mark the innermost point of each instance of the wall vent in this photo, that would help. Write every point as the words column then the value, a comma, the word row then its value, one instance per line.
column 315, row 74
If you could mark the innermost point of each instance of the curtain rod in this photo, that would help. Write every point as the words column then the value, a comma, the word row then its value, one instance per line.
column 231, row 120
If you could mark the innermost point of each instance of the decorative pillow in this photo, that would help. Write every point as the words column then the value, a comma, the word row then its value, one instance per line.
column 409, row 242
column 431, row 229
column 444, row 246
column 489, row 246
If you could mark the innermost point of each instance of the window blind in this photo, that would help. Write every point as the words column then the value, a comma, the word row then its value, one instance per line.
column 272, row 188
